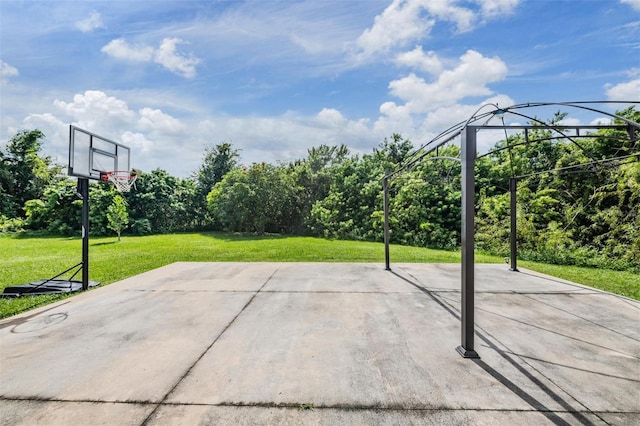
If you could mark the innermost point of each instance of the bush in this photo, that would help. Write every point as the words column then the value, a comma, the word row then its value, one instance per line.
column 59, row 227
column 9, row 226
column 141, row 227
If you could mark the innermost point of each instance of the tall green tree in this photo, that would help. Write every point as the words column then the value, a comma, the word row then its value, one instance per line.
column 353, row 206
column 117, row 215
column 24, row 174
column 217, row 161
column 153, row 201
column 162, row 203
column 425, row 203
column 313, row 177
column 7, row 205
column 101, row 195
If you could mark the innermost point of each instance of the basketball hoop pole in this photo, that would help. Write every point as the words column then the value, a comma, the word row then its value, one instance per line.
column 83, row 191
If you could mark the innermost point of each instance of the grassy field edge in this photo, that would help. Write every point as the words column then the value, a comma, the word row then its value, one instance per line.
column 33, row 258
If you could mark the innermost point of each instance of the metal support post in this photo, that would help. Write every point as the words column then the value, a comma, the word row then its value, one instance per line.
column 83, row 191
column 513, row 184
column 385, row 185
column 468, row 215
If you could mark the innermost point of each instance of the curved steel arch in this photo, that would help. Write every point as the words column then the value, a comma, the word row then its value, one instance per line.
column 467, row 130
column 454, row 131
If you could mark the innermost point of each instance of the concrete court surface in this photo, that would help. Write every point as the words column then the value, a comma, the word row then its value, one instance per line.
column 323, row 343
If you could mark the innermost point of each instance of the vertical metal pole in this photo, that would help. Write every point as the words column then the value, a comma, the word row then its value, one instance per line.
column 385, row 185
column 83, row 186
column 468, row 260
column 513, row 184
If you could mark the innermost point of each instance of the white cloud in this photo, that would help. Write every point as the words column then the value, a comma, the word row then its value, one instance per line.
column 633, row 3
column 404, row 21
column 175, row 62
column 428, row 107
column 492, row 8
column 330, row 117
column 157, row 121
column 421, row 128
column 401, row 22
column 93, row 22
column 155, row 137
column 469, row 78
column 120, row 49
column 446, row 10
column 604, row 121
column 570, row 121
column 108, row 116
column 159, row 140
column 7, row 71
column 56, row 133
column 47, row 117
column 94, row 110
column 55, row 126
column 137, row 142
column 395, row 119
column 165, row 55
column 445, row 117
column 289, row 136
column 418, row 59
column 628, row 91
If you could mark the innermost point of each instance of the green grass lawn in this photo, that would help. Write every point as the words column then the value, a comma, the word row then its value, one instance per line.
column 28, row 259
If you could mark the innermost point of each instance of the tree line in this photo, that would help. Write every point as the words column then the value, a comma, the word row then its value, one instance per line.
column 583, row 215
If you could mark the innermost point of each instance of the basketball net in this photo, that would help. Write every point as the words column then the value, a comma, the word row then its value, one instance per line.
column 123, row 180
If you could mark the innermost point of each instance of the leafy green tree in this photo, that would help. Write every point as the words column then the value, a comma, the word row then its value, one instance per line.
column 153, row 200
column 101, row 195
column 425, row 203
column 24, row 174
column 230, row 201
column 57, row 211
column 7, row 205
column 191, row 215
column 216, row 163
column 352, row 208
column 117, row 215
column 261, row 198
column 313, row 176
column 161, row 203
column 583, row 215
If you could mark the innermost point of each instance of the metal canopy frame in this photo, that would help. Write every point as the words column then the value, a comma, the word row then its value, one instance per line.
column 513, row 187
column 467, row 131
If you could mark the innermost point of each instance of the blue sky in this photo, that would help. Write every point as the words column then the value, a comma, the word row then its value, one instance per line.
column 274, row 78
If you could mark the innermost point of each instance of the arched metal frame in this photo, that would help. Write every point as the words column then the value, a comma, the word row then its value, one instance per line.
column 467, row 131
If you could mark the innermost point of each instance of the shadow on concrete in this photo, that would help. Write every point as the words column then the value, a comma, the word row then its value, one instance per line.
column 517, row 390
column 18, row 321
column 573, row 368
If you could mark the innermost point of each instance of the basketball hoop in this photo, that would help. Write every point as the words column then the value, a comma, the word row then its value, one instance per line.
column 123, row 180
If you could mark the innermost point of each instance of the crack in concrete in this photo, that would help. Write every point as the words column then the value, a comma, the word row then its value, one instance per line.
column 296, row 405
column 146, row 421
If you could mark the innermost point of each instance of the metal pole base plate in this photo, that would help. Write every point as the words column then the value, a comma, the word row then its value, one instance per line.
column 466, row 353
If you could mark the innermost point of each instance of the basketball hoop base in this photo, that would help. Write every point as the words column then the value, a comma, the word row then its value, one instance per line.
column 38, row 288
column 54, row 285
